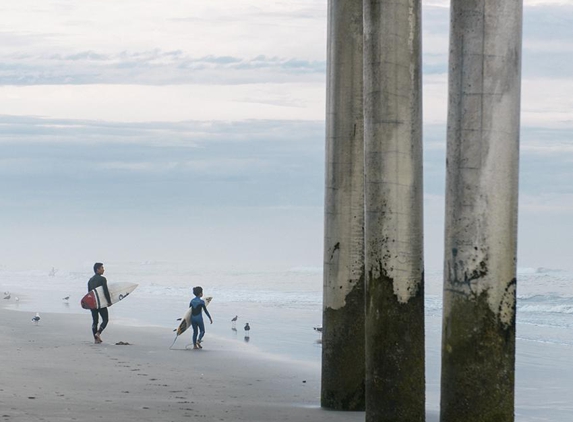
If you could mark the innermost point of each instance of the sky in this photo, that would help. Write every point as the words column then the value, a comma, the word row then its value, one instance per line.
column 174, row 130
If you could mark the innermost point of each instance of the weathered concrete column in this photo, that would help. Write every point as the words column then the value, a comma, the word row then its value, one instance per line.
column 478, row 339
column 343, row 316
column 395, row 379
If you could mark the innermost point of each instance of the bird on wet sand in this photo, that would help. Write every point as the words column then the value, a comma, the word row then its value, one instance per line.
column 36, row 319
column 7, row 296
column 234, row 321
column 247, row 331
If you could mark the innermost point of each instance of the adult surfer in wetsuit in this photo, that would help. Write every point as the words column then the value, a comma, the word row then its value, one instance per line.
column 99, row 280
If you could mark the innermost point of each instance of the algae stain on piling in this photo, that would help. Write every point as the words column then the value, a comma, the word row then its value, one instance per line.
column 395, row 359
column 479, row 346
column 345, row 391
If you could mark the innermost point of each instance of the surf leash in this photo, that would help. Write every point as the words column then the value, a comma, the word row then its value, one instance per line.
column 176, row 335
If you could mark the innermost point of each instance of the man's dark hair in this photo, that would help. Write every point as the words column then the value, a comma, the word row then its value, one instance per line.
column 97, row 266
column 197, row 290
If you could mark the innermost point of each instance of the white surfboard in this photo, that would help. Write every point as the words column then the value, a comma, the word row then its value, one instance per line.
column 95, row 299
column 186, row 320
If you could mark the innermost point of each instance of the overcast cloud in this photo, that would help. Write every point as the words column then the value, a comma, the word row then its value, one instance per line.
column 164, row 130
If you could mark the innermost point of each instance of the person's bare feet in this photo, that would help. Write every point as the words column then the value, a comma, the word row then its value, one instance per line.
column 97, row 338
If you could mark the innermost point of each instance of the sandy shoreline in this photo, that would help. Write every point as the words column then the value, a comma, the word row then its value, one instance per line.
column 53, row 372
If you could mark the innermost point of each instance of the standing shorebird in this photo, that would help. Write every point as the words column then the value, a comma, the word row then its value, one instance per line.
column 234, row 322
column 247, row 331
column 7, row 296
column 36, row 319
column 319, row 331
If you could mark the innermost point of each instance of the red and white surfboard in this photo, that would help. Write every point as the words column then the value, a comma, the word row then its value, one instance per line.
column 95, row 299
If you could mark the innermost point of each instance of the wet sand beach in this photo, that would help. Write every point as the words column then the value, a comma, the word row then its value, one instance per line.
column 53, row 372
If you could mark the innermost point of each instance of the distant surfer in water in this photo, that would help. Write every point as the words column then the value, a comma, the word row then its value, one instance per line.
column 99, row 280
column 198, row 305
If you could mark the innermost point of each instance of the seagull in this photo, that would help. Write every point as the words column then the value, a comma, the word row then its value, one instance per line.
column 319, row 329
column 36, row 318
column 66, row 298
column 7, row 296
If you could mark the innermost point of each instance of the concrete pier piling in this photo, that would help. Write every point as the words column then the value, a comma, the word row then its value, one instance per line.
column 395, row 379
column 478, row 340
column 343, row 314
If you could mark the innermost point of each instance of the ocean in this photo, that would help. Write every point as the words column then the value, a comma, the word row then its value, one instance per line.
column 281, row 305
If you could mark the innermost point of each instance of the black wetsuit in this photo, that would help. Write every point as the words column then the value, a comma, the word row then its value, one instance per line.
column 94, row 282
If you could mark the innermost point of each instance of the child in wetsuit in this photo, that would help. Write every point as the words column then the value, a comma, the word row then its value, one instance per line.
column 198, row 305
